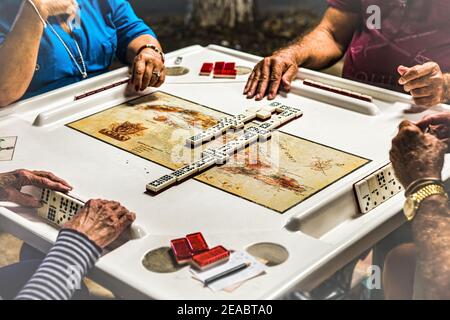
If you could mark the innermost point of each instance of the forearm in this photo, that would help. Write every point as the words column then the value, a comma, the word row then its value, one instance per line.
column 63, row 269
column 431, row 229
column 328, row 42
column 446, row 97
column 18, row 55
column 138, row 43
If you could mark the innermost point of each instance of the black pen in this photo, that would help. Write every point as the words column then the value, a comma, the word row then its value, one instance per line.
column 226, row 273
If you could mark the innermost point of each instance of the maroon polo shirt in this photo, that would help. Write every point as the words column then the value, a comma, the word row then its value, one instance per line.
column 412, row 32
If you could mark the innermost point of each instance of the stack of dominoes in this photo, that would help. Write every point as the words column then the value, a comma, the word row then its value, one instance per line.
column 220, row 155
column 221, row 69
column 348, row 93
column 58, row 208
column 194, row 249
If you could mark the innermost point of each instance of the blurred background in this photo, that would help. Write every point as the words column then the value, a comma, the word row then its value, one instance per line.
column 253, row 26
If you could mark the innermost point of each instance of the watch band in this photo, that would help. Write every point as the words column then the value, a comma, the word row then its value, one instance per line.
column 154, row 48
column 419, row 184
column 428, row 191
column 414, row 201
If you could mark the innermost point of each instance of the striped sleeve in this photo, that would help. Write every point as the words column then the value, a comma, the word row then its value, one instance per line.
column 63, row 269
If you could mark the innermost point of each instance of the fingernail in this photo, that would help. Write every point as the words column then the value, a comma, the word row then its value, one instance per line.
column 402, row 81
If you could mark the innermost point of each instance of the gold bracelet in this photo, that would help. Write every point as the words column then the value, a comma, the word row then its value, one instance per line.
column 154, row 48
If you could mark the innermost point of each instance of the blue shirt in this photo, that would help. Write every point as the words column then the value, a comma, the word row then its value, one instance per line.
column 107, row 28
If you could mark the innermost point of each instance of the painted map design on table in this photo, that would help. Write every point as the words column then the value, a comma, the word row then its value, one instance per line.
column 7, row 147
column 277, row 174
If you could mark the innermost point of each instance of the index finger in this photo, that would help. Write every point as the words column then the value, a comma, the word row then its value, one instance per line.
column 138, row 73
column 52, row 177
column 416, row 72
column 436, row 119
column 250, row 81
column 42, row 182
column 264, row 79
column 275, row 80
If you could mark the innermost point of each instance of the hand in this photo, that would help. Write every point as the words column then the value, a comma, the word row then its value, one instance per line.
column 416, row 155
column 101, row 221
column 12, row 182
column 273, row 73
column 49, row 8
column 438, row 125
column 147, row 66
column 426, row 83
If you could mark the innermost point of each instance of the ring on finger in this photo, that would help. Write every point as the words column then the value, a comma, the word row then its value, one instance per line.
column 156, row 73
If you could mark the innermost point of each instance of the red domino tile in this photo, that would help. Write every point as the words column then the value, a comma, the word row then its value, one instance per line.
column 218, row 68
column 207, row 68
column 230, row 66
column 181, row 250
column 231, row 72
column 211, row 257
column 197, row 243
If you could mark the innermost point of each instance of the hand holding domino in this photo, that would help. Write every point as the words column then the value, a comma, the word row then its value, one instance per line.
column 11, row 184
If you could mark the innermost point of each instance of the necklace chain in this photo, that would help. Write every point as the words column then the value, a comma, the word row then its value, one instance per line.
column 82, row 69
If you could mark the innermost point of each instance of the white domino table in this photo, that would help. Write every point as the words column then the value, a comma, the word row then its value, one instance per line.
column 322, row 234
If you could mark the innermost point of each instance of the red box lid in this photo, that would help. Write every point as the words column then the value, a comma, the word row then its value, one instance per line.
column 197, row 243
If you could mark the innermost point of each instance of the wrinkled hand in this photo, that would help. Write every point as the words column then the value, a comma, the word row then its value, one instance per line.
column 272, row 74
column 416, row 155
column 148, row 70
column 101, row 221
column 49, row 8
column 426, row 83
column 438, row 125
column 12, row 182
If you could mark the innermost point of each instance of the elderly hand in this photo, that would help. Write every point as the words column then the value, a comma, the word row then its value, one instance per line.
column 101, row 221
column 148, row 70
column 437, row 125
column 426, row 83
column 416, row 155
column 273, row 73
column 49, row 8
column 12, row 182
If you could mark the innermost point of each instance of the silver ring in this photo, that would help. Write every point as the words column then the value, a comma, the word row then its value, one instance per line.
column 157, row 74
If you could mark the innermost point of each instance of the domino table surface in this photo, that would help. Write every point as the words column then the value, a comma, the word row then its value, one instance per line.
column 316, row 232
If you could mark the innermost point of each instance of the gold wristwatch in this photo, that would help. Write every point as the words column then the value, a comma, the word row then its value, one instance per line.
column 414, row 200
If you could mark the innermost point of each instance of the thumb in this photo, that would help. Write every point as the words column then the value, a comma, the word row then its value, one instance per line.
column 23, row 199
column 289, row 76
column 402, row 70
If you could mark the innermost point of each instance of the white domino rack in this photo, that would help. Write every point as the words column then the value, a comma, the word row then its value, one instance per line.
column 321, row 234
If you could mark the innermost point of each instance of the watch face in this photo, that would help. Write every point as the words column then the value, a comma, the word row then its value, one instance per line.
column 409, row 208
